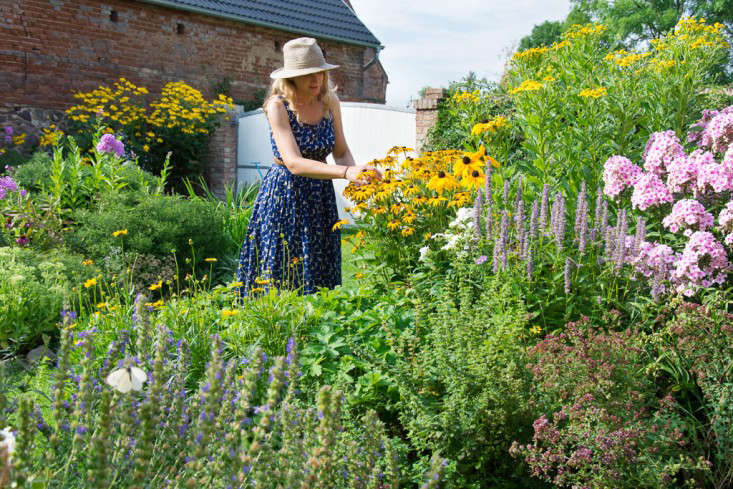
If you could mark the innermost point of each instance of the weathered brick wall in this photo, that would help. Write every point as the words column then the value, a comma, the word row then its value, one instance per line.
column 221, row 168
column 426, row 114
column 51, row 48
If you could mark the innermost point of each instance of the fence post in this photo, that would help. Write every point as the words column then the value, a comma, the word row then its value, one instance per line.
column 426, row 114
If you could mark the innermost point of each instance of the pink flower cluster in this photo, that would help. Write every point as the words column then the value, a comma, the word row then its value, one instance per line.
column 688, row 214
column 725, row 219
column 618, row 173
column 109, row 144
column 704, row 262
column 7, row 184
column 650, row 191
column 656, row 262
column 661, row 149
column 714, row 130
column 719, row 133
column 682, row 176
column 717, row 177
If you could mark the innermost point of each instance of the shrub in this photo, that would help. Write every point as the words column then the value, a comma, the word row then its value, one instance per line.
column 577, row 103
column 156, row 225
column 180, row 121
column 34, row 174
column 462, row 376
column 34, row 287
column 605, row 423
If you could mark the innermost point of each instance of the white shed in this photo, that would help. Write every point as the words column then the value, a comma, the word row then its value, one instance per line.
column 370, row 130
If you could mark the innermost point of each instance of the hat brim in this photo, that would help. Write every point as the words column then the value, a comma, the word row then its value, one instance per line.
column 285, row 73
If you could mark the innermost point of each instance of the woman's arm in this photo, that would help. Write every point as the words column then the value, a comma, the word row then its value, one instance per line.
column 341, row 152
column 290, row 153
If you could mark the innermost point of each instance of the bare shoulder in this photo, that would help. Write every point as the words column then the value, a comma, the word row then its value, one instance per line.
column 275, row 109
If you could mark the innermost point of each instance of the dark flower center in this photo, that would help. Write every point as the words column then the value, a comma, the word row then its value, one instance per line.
column 466, row 160
column 475, row 174
column 441, row 174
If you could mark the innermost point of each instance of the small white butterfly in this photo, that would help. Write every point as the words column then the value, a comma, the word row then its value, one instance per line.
column 127, row 378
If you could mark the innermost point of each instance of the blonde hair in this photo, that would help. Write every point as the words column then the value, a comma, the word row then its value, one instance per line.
column 285, row 88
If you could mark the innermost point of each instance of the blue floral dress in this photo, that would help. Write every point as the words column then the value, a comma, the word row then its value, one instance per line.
column 290, row 241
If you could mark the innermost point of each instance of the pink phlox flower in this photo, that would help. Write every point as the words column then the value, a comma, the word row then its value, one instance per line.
column 716, row 177
column 719, row 132
column 655, row 259
column 649, row 191
column 704, row 262
column 109, row 144
column 725, row 220
column 7, row 184
column 682, row 176
column 618, row 173
column 696, row 130
column 661, row 149
column 688, row 214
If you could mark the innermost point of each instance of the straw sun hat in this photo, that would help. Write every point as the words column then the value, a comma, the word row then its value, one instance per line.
column 302, row 57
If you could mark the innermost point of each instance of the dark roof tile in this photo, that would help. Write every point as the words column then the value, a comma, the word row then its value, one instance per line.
column 328, row 19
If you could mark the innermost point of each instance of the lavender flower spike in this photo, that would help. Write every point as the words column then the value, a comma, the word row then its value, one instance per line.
column 477, row 207
column 543, row 208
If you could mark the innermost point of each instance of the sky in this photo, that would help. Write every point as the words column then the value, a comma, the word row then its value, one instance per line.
column 434, row 42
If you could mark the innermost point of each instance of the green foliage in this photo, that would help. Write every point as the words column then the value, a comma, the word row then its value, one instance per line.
column 577, row 104
column 463, row 379
column 34, row 287
column 549, row 32
column 156, row 225
column 693, row 357
column 34, row 174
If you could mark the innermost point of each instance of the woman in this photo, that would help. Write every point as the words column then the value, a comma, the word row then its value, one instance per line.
column 291, row 242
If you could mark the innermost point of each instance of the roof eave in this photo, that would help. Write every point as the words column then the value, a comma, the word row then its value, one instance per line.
column 188, row 8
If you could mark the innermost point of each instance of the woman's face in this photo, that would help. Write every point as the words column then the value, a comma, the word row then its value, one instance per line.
column 309, row 85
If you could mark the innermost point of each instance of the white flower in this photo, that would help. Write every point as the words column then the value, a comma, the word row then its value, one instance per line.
column 451, row 244
column 8, row 440
column 424, row 253
column 464, row 218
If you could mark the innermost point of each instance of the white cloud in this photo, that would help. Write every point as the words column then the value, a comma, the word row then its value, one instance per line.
column 434, row 42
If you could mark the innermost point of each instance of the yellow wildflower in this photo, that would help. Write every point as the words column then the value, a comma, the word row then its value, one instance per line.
column 119, row 232
column 227, row 313
column 156, row 285
column 210, row 260
column 337, row 225
column 90, row 283
column 87, row 262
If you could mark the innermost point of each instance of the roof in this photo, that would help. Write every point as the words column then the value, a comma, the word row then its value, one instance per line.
column 325, row 19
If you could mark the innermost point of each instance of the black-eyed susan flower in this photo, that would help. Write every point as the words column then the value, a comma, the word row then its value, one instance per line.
column 394, row 224
column 443, row 181
column 408, row 231
column 467, row 164
column 156, row 285
column 90, row 283
column 475, row 180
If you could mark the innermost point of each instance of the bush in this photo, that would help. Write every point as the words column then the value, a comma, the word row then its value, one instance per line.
column 606, row 424
column 34, row 287
column 180, row 121
column 156, row 225
column 463, row 379
column 577, row 103
column 34, row 174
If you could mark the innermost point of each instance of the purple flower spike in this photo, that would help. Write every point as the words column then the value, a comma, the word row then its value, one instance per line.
column 481, row 259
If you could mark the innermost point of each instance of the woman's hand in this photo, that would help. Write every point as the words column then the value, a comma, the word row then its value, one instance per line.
column 361, row 174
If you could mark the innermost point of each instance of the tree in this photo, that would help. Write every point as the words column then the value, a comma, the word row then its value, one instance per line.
column 550, row 31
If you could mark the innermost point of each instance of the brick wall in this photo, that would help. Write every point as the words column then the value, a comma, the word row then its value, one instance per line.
column 426, row 114
column 51, row 48
column 221, row 168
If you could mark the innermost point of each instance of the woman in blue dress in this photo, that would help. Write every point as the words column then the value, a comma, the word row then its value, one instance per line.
column 291, row 242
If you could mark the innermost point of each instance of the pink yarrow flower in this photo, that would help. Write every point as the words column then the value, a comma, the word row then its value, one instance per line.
column 688, row 214
column 109, row 144
column 704, row 262
column 618, row 173
column 661, row 149
column 649, row 191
